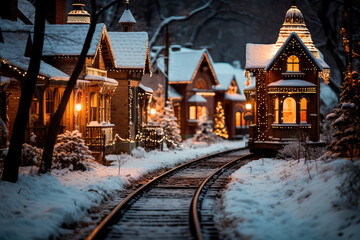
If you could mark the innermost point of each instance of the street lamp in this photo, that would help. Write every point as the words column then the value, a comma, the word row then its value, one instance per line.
column 248, row 106
column 152, row 111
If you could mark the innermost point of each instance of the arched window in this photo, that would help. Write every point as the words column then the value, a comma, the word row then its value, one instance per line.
column 200, row 84
column 56, row 99
column 289, row 110
column 238, row 119
column 93, row 106
column 303, row 110
column 276, row 110
column 293, row 64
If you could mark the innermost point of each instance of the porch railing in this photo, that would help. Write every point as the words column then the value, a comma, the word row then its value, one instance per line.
column 98, row 138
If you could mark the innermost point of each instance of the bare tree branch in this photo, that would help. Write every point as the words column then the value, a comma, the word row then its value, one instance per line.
column 171, row 19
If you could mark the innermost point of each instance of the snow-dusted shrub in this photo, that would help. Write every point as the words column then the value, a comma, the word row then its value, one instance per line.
column 294, row 150
column 71, row 152
column 138, row 152
column 30, row 155
column 350, row 186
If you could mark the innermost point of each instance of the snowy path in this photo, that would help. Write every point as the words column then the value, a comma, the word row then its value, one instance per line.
column 273, row 199
column 39, row 205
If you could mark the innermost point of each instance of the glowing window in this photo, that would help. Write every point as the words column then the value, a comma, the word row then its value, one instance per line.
column 289, row 110
column 293, row 64
column 303, row 110
column 192, row 112
column 276, row 110
column 238, row 119
column 93, row 106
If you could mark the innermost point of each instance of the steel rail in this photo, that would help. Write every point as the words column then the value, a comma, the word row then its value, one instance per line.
column 195, row 224
column 100, row 231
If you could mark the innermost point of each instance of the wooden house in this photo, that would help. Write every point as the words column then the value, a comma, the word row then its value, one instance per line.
column 230, row 94
column 191, row 80
column 132, row 62
column 90, row 103
column 286, row 96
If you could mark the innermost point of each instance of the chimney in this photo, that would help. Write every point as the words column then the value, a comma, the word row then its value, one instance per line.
column 56, row 13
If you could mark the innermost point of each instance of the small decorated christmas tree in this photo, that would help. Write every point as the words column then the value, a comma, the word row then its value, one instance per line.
column 219, row 127
column 346, row 119
column 205, row 132
column 170, row 127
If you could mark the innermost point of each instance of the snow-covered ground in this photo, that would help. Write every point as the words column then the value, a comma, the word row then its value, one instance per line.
column 36, row 206
column 276, row 199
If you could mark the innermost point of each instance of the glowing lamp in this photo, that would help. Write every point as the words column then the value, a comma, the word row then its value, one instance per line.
column 78, row 107
column 248, row 106
column 152, row 111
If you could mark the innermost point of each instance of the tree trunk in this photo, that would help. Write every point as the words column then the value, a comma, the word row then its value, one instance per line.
column 12, row 161
column 50, row 138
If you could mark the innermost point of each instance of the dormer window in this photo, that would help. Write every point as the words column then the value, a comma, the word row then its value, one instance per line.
column 293, row 64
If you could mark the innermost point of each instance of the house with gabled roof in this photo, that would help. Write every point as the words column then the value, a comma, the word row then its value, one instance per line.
column 132, row 62
column 230, row 93
column 191, row 80
column 90, row 102
column 286, row 96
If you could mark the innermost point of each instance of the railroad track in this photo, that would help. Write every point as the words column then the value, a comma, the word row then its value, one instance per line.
column 175, row 205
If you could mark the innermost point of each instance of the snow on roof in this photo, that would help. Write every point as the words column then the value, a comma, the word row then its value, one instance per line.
column 127, row 17
column 4, row 79
column 225, row 74
column 291, row 83
column 172, row 93
column 318, row 61
column 250, row 88
column 68, row 39
column 197, row 99
column 130, row 48
column 100, row 78
column 322, row 63
column 13, row 49
column 27, row 9
column 258, row 55
column 145, row 88
column 235, row 97
column 184, row 62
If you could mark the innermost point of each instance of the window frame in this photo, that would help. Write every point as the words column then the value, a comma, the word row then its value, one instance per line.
column 293, row 63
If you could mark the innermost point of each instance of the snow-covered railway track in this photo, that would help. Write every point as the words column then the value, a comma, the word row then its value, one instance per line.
column 160, row 209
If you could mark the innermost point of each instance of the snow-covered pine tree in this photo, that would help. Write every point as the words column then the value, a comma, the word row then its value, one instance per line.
column 346, row 119
column 220, row 128
column 170, row 127
column 158, row 104
column 204, row 132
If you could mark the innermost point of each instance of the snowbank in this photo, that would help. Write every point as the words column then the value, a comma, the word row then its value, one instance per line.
column 36, row 206
column 274, row 199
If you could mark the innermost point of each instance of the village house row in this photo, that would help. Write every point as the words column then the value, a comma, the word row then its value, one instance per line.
column 113, row 91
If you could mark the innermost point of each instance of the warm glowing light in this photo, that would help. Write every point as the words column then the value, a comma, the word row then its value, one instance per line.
column 78, row 107
column 152, row 111
column 248, row 106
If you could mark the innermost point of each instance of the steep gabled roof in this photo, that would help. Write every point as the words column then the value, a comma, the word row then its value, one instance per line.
column 293, row 36
column 127, row 17
column 131, row 49
column 68, row 39
column 225, row 74
column 184, row 64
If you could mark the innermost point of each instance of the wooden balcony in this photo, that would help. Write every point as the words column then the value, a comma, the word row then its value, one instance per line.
column 288, row 132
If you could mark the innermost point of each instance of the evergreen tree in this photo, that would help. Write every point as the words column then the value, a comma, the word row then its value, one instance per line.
column 220, row 128
column 205, row 132
column 170, row 127
column 158, row 104
column 346, row 119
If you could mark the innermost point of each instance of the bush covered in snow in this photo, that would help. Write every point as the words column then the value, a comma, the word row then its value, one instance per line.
column 71, row 152
column 30, row 155
column 298, row 150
